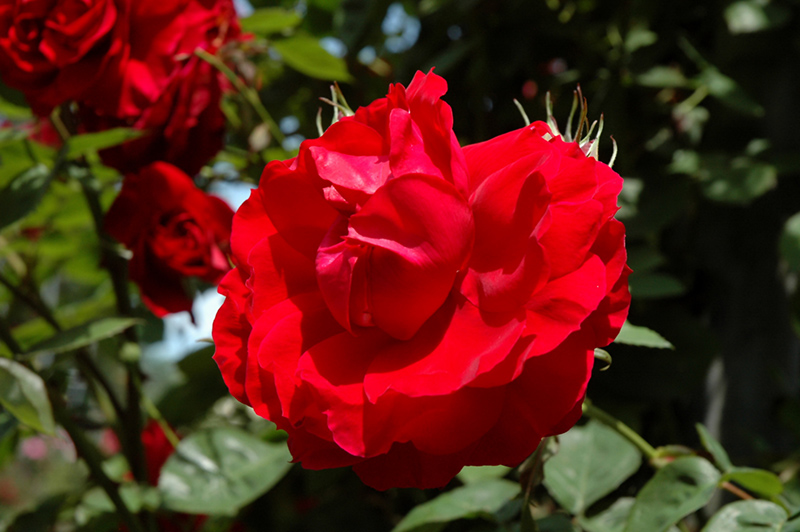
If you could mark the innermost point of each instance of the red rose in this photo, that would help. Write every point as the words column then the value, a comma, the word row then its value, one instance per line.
column 161, row 37
column 185, row 126
column 160, row 86
column 174, row 231
column 409, row 308
column 54, row 50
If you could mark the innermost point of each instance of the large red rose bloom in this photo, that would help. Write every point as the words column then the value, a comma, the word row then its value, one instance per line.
column 406, row 307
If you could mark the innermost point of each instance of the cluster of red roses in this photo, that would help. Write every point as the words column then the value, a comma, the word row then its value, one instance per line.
column 400, row 304
column 131, row 63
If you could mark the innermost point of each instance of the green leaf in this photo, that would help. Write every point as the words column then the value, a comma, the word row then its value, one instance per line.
column 654, row 286
column 218, row 471
column 611, row 520
column 592, row 461
column 471, row 501
column 715, row 448
column 748, row 16
column 557, row 523
column 678, row 489
column 639, row 37
column 661, row 77
column 759, row 481
column 739, row 182
column 23, row 395
column 729, row 92
column 9, row 437
column 790, row 242
column 12, row 110
column 80, row 145
column 269, row 20
column 83, row 335
column 748, row 516
column 642, row 336
column 23, row 194
column 304, row 54
column 473, row 474
column 201, row 387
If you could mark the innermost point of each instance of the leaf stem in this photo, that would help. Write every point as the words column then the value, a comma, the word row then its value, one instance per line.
column 621, row 428
column 736, row 490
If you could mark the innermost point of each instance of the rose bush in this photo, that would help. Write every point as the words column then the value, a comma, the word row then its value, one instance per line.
column 174, row 231
column 406, row 307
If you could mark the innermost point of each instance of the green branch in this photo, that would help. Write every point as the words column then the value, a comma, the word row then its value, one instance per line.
column 621, row 428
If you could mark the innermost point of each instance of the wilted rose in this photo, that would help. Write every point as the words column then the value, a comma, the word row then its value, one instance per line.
column 174, row 231
column 407, row 307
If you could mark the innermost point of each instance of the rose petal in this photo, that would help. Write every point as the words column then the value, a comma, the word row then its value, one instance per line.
column 422, row 231
column 559, row 308
column 279, row 272
column 485, row 158
column 439, row 425
column 538, row 401
column 351, row 156
column 296, row 207
column 408, row 155
column 572, row 232
column 230, row 332
column 280, row 336
column 455, row 346
column 507, row 262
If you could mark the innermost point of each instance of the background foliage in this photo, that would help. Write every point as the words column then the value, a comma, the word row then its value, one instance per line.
column 700, row 98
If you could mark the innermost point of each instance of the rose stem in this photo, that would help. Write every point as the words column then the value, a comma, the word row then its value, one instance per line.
column 621, row 428
column 93, row 459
